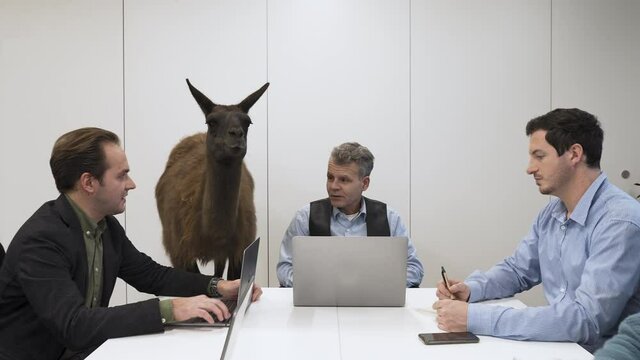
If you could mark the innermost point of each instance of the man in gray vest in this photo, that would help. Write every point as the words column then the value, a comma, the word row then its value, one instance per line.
column 346, row 212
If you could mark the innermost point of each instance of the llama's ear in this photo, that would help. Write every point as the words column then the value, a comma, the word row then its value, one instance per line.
column 205, row 104
column 247, row 103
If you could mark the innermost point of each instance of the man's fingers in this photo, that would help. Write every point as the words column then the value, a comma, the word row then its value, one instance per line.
column 222, row 310
column 455, row 288
column 442, row 292
column 218, row 308
column 202, row 313
column 257, row 292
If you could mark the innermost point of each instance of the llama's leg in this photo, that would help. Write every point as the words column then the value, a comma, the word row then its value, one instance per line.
column 234, row 270
column 193, row 267
column 218, row 267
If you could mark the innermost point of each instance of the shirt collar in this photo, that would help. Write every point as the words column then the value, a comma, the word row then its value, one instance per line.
column 87, row 225
column 363, row 209
column 580, row 213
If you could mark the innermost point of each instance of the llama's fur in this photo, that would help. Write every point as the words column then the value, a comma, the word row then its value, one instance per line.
column 205, row 195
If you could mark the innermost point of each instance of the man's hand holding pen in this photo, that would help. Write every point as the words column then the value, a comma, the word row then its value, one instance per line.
column 452, row 304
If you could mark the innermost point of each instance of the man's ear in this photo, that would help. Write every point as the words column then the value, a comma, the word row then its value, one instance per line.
column 576, row 154
column 87, row 183
column 365, row 183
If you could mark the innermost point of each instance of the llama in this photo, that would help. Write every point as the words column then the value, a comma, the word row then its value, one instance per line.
column 205, row 195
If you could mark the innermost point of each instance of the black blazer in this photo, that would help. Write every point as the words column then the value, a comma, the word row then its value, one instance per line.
column 43, row 285
column 1, row 254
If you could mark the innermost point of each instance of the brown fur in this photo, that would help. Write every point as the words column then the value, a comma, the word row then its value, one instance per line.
column 205, row 195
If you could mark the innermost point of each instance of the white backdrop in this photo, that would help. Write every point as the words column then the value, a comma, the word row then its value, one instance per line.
column 440, row 91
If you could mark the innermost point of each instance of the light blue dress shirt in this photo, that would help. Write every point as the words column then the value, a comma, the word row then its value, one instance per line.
column 589, row 266
column 342, row 226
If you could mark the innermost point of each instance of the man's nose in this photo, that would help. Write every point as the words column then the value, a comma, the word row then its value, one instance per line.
column 531, row 169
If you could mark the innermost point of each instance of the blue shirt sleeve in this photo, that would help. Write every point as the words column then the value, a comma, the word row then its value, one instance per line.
column 415, row 271
column 607, row 280
column 299, row 226
column 515, row 274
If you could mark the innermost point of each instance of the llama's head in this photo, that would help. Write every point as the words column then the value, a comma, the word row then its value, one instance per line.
column 228, row 125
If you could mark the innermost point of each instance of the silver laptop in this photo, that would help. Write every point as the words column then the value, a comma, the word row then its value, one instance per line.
column 247, row 277
column 349, row 271
column 236, row 324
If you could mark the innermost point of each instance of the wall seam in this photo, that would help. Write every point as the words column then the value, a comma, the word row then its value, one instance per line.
column 267, row 150
column 124, row 131
column 410, row 120
column 551, row 55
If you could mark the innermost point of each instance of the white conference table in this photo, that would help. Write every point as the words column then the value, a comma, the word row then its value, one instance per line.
column 274, row 329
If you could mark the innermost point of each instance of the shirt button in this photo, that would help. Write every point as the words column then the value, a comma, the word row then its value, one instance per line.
column 563, row 227
column 164, row 320
column 97, row 270
column 88, row 232
column 562, row 290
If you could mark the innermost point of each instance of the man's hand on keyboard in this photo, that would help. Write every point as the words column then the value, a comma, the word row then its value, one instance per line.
column 199, row 306
column 229, row 289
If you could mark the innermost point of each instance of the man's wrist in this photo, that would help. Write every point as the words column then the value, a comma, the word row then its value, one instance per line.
column 212, row 288
column 166, row 311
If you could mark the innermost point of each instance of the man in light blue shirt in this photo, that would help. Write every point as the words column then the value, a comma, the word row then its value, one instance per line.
column 346, row 212
column 583, row 247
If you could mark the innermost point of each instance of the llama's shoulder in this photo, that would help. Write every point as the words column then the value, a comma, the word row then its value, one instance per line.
column 189, row 148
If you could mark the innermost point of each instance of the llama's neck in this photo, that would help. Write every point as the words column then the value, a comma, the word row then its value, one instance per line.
column 220, row 195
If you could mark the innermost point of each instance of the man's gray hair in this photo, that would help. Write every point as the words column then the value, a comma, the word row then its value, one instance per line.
column 352, row 152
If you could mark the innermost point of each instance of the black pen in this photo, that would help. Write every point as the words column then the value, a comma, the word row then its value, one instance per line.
column 445, row 279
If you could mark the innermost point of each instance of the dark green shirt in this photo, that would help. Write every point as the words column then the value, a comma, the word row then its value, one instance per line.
column 92, row 233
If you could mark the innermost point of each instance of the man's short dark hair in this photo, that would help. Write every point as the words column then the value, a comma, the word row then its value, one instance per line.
column 77, row 152
column 566, row 127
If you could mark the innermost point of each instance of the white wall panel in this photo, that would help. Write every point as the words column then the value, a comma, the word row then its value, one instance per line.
column 440, row 91
column 480, row 71
column 596, row 52
column 60, row 69
column 339, row 72
column 221, row 47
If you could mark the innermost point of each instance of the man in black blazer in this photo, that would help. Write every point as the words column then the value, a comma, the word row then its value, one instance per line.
column 61, row 266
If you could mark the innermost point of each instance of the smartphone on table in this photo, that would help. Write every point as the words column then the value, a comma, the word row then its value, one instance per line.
column 448, row 338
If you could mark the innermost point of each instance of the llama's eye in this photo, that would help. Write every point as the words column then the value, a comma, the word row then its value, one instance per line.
column 246, row 121
column 212, row 124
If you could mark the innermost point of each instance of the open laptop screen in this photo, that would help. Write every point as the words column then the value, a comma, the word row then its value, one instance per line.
column 247, row 276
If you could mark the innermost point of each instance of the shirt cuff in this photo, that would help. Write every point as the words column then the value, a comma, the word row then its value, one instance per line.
column 475, row 291
column 166, row 311
column 479, row 319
